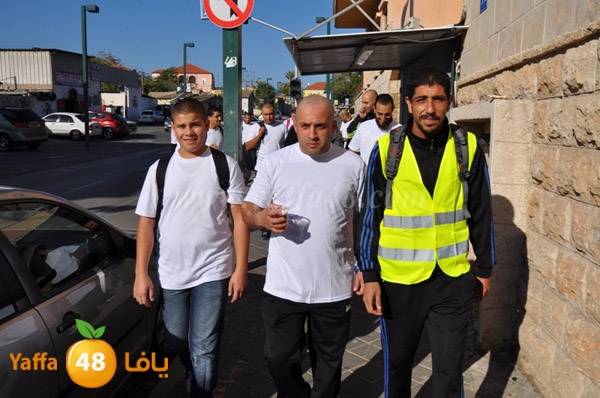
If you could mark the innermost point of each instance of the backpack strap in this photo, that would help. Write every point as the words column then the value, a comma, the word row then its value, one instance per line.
column 392, row 163
column 462, row 156
column 161, row 171
column 222, row 168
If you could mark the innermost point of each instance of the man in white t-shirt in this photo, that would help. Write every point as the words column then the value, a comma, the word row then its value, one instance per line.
column 269, row 136
column 371, row 130
column 197, row 265
column 248, row 132
column 345, row 118
column 214, row 136
column 306, row 194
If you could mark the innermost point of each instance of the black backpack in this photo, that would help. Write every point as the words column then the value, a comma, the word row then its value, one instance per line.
column 397, row 137
column 222, row 174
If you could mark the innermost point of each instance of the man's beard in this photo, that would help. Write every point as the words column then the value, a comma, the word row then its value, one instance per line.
column 384, row 126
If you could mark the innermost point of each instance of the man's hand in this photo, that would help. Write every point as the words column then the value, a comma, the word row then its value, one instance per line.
column 359, row 284
column 372, row 298
column 487, row 284
column 238, row 283
column 362, row 112
column 143, row 290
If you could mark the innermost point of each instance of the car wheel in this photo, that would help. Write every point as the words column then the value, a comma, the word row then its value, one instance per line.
column 35, row 145
column 108, row 133
column 76, row 135
column 5, row 143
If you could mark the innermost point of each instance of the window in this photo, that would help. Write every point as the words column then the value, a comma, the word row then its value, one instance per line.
column 51, row 118
column 65, row 119
column 58, row 245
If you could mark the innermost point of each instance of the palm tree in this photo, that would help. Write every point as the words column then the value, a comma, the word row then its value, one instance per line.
column 285, row 86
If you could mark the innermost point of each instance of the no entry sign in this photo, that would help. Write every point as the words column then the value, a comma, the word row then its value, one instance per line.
column 228, row 14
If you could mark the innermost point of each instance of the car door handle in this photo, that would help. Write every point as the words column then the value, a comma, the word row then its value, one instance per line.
column 68, row 321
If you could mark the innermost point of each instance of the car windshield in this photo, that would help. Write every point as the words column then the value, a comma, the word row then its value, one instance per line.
column 119, row 118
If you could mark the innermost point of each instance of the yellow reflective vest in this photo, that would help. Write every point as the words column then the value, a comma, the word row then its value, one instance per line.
column 419, row 231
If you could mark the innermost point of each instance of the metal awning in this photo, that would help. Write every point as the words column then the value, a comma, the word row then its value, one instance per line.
column 390, row 49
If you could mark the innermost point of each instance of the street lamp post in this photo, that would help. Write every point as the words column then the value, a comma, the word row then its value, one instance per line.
column 328, row 90
column 185, row 46
column 267, row 87
column 84, row 65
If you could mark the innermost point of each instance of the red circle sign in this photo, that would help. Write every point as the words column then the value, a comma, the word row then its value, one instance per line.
column 228, row 14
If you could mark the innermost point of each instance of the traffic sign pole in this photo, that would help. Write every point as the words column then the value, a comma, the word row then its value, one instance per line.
column 232, row 90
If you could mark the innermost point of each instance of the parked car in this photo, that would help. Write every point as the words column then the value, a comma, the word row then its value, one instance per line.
column 167, row 123
column 21, row 127
column 58, row 263
column 132, row 125
column 150, row 116
column 70, row 124
column 113, row 124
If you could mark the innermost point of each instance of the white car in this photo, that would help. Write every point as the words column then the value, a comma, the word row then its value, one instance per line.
column 70, row 124
column 149, row 116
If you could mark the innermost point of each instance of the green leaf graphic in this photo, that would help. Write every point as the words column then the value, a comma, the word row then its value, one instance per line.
column 99, row 332
column 84, row 328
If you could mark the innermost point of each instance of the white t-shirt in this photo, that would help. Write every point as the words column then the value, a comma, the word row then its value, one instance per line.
column 195, row 234
column 312, row 261
column 344, row 128
column 249, row 131
column 366, row 136
column 214, row 137
column 271, row 141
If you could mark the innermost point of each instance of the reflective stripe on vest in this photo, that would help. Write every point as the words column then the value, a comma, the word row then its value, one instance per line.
column 419, row 231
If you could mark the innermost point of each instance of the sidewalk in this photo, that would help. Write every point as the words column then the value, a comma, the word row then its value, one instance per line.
column 243, row 373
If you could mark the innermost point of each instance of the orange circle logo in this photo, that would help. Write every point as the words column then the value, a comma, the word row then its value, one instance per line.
column 91, row 363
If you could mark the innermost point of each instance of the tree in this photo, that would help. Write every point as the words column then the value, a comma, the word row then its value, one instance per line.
column 106, row 58
column 263, row 92
column 166, row 81
column 344, row 85
column 285, row 86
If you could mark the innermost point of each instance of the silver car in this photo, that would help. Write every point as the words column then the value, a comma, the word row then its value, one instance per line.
column 58, row 263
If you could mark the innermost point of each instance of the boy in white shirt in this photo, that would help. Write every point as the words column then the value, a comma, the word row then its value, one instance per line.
column 196, row 258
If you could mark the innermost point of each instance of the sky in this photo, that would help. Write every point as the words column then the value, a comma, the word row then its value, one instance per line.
column 147, row 35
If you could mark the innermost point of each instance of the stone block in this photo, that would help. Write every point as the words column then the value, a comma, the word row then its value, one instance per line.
column 584, row 344
column 570, row 277
column 516, row 84
column 561, row 115
column 592, row 293
column 586, row 12
column 520, row 8
column 560, row 19
column 555, row 315
column 550, row 74
column 544, row 162
column 541, row 256
column 591, row 388
column 540, row 123
column 586, row 127
column 557, row 218
column 578, row 178
column 534, row 306
column 533, row 33
column 536, row 354
column 579, row 73
column 535, row 211
column 502, row 14
column 510, row 205
column 510, row 162
column 585, row 231
column 513, row 122
column 567, row 380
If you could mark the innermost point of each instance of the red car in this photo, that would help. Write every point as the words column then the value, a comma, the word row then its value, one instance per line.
column 112, row 124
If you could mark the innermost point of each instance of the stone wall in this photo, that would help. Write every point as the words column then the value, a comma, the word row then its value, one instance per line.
column 543, row 105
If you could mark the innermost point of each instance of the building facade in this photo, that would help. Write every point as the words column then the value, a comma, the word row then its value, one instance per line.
column 527, row 81
column 50, row 80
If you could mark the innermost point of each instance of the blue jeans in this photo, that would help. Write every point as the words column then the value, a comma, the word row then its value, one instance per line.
column 194, row 322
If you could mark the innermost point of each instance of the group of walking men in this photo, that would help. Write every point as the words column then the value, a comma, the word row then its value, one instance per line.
column 411, row 247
